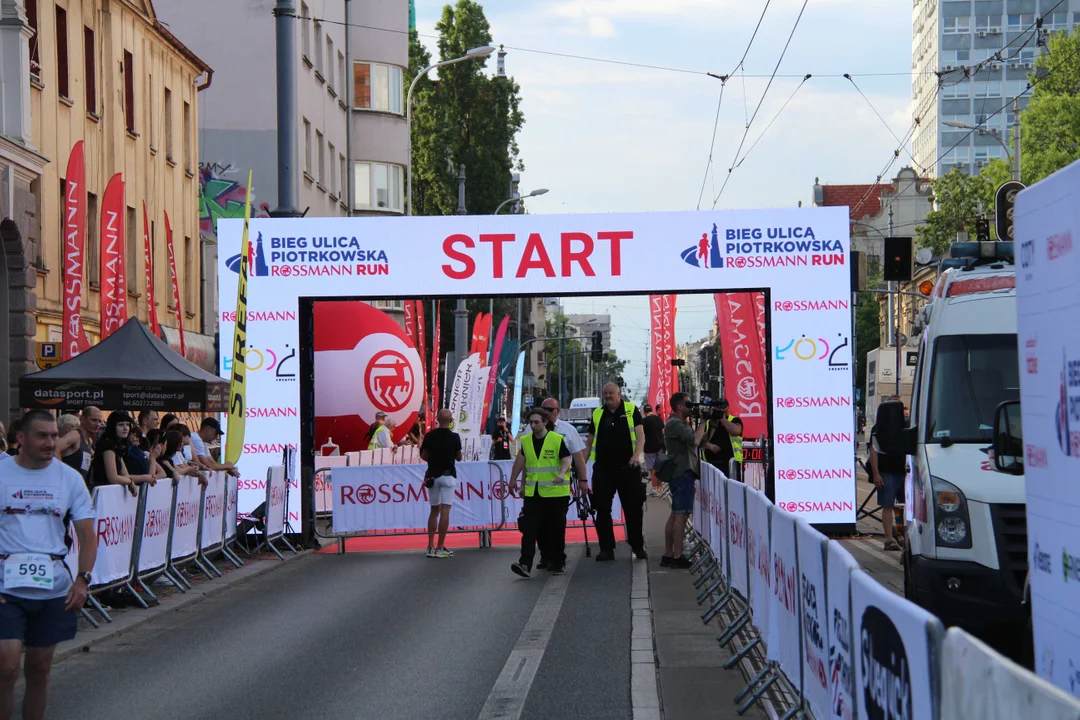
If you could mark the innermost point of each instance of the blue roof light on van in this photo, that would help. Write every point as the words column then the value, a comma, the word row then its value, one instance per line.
column 969, row 254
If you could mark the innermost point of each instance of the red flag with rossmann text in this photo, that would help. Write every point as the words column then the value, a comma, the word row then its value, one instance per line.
column 421, row 348
column 493, row 374
column 435, row 362
column 659, row 375
column 744, row 366
column 671, row 347
column 175, row 285
column 113, row 263
column 151, row 308
column 410, row 322
column 759, row 315
column 74, row 337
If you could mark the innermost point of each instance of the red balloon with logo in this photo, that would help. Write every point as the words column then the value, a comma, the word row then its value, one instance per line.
column 364, row 364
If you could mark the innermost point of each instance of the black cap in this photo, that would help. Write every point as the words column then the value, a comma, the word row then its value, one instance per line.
column 212, row 423
column 501, row 417
column 647, row 407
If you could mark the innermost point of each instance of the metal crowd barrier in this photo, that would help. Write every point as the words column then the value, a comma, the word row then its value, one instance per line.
column 138, row 533
column 322, row 508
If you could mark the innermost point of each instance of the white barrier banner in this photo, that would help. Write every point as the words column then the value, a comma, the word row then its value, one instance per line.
column 231, row 507
column 701, row 502
column 185, row 534
column 979, row 684
column 72, row 557
column 838, row 567
column 275, row 506
column 515, row 502
column 894, row 667
column 718, row 519
column 157, row 523
column 114, row 512
column 784, row 610
column 213, row 511
column 815, row 617
column 737, row 536
column 757, row 547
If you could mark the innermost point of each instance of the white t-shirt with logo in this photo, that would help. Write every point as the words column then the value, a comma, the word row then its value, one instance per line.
column 34, row 504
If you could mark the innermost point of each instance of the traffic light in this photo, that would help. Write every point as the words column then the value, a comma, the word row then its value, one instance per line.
column 1004, row 203
column 597, row 352
column 899, row 263
column 982, row 229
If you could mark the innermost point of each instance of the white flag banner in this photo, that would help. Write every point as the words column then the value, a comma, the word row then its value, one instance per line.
column 157, row 523
column 467, row 397
column 114, row 511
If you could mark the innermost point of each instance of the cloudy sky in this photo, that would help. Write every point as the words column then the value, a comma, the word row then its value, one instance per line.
column 605, row 137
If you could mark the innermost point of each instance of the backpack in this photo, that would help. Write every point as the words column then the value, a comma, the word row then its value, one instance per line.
column 664, row 467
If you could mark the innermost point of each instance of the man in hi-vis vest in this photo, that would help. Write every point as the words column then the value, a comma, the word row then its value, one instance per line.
column 545, row 460
column 616, row 444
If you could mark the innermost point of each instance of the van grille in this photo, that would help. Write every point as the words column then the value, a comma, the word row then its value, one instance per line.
column 1010, row 532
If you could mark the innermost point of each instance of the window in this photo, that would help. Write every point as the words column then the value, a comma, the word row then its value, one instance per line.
column 129, row 91
column 317, row 47
column 93, row 249
column 187, row 136
column 134, row 259
column 61, row 52
column 331, row 177
column 1057, row 20
column 307, row 147
column 305, row 21
column 971, row 375
column 379, row 186
column 377, row 87
column 321, row 176
column 330, row 64
column 956, row 24
column 341, row 74
column 344, row 177
column 32, row 21
column 150, row 112
column 985, row 22
column 90, row 68
column 1021, row 21
column 168, row 126
column 963, row 56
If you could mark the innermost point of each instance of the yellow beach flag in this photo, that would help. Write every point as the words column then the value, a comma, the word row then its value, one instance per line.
column 234, row 440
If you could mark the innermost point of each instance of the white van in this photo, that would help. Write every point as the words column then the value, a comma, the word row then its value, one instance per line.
column 966, row 552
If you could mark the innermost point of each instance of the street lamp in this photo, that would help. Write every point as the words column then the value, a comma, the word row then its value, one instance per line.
column 1014, row 161
column 535, row 193
column 475, row 54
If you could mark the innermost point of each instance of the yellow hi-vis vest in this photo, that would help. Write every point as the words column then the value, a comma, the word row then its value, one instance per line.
column 629, row 408
column 540, row 471
column 373, row 444
column 736, row 441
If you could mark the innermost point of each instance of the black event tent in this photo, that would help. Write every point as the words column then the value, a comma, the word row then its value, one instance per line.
column 129, row 370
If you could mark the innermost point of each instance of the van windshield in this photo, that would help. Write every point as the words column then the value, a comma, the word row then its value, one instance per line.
column 971, row 376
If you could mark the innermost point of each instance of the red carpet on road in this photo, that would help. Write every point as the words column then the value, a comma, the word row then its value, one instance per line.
column 501, row 538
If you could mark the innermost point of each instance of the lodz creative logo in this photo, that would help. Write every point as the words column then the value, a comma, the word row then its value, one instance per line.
column 283, row 366
column 745, row 248
column 307, row 257
column 810, row 349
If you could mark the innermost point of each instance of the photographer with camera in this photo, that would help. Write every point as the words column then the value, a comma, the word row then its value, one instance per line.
column 616, row 445
column 682, row 444
column 723, row 435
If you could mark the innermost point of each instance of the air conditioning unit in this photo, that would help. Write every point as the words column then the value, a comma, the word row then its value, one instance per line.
column 995, row 31
column 980, row 163
column 1029, row 64
column 1014, row 65
column 949, row 68
column 981, row 33
column 995, row 66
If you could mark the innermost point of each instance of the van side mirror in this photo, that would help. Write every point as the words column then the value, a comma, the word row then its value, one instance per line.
column 1009, row 438
column 894, row 437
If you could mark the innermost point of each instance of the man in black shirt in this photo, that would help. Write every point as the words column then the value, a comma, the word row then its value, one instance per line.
column 654, row 444
column 616, row 443
column 723, row 438
column 887, row 472
column 441, row 447
column 500, row 441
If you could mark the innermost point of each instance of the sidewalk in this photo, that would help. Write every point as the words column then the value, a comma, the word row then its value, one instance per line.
column 693, row 682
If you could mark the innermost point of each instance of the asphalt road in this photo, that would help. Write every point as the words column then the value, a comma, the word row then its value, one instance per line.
column 366, row 635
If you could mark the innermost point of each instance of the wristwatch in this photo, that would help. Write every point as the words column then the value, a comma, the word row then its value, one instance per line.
column 85, row 576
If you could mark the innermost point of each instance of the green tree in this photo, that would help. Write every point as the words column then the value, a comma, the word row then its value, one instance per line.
column 575, row 347
column 464, row 118
column 1050, row 125
column 958, row 198
column 867, row 332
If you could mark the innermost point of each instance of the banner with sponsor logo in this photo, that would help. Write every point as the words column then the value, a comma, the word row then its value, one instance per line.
column 185, row 534
column 785, row 610
column 898, row 652
column 467, row 397
column 157, row 523
column 493, row 370
column 797, row 254
column 275, row 500
column 757, row 547
column 231, row 509
column 1048, row 340
column 661, row 352
column 409, row 307
column 234, row 439
column 176, row 287
column 421, row 347
column 213, row 511
column 813, row 605
column 148, row 262
column 838, row 567
column 436, row 363
column 115, row 511
column 744, row 367
column 737, row 536
column 113, row 270
column 74, row 337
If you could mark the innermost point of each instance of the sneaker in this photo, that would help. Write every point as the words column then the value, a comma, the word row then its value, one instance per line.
column 520, row 569
column 558, row 569
column 681, row 563
column 431, row 553
column 444, row 553
column 543, row 564
column 605, row 556
column 665, row 561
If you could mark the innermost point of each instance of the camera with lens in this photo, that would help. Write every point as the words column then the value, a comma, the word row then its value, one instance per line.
column 709, row 409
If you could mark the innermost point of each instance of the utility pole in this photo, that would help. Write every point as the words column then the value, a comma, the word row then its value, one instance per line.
column 461, row 312
column 894, row 327
column 348, row 115
column 1016, row 139
column 287, row 145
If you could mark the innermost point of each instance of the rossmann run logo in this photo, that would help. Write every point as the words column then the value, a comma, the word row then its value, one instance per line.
column 763, row 247
column 314, row 256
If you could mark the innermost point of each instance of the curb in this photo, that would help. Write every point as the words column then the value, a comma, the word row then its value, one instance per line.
column 129, row 621
column 644, row 670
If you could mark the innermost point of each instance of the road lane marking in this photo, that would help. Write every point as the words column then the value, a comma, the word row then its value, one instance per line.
column 507, row 698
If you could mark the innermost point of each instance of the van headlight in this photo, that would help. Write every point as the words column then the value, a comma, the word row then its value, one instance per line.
column 951, row 517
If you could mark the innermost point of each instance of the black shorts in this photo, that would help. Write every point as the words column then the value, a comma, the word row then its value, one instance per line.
column 38, row 623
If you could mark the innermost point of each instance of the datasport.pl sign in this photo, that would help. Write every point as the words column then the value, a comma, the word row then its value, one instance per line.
column 799, row 256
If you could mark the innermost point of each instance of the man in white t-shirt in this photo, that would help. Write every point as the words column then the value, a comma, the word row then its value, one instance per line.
column 40, row 599
column 209, row 432
column 576, row 446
